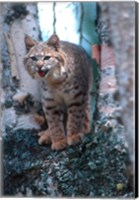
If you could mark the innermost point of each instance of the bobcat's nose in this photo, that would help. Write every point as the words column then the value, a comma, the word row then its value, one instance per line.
column 39, row 64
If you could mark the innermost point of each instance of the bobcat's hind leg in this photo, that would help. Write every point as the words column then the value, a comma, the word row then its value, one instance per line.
column 75, row 124
column 56, row 128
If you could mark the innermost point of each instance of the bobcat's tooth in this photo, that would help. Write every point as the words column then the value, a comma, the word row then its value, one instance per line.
column 43, row 68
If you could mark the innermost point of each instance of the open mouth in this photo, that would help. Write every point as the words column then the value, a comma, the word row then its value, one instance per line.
column 42, row 72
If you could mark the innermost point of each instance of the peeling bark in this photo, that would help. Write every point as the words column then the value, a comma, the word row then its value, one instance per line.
column 13, row 62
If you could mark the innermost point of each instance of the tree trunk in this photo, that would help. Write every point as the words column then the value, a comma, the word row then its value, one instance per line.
column 122, row 33
column 18, row 19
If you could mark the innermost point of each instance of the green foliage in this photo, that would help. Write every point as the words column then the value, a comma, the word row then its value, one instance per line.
column 88, row 33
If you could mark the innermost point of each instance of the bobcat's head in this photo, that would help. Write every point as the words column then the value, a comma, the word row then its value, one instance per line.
column 44, row 59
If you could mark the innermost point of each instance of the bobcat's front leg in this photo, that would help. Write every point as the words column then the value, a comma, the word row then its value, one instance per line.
column 55, row 133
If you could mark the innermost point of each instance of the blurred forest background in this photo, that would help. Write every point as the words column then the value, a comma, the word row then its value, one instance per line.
column 103, row 164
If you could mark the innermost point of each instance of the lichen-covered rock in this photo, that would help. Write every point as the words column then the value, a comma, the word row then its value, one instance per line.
column 93, row 168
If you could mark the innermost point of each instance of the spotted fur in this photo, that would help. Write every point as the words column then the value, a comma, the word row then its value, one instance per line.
column 65, row 73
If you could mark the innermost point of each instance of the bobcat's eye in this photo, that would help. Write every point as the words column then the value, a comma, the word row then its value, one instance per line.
column 33, row 58
column 46, row 57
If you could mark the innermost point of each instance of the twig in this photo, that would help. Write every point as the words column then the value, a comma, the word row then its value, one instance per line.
column 14, row 71
column 81, row 22
column 54, row 17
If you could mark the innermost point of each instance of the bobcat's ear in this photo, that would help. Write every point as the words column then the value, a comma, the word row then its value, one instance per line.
column 29, row 42
column 53, row 41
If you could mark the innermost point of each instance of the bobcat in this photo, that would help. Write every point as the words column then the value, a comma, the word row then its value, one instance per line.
column 65, row 73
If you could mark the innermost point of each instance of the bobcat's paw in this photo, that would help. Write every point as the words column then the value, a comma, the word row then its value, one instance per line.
column 74, row 138
column 59, row 144
column 44, row 137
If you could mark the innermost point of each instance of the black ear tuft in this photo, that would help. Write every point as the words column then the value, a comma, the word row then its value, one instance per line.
column 53, row 41
column 29, row 42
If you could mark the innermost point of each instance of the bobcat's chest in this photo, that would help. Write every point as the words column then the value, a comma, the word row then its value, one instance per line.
column 63, row 95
